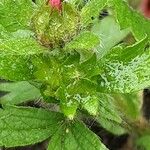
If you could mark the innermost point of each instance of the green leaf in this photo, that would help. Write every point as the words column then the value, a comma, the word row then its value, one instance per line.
column 66, row 79
column 127, row 17
column 16, row 14
column 108, row 115
column 110, row 34
column 83, row 44
column 112, row 126
column 75, row 136
column 91, row 10
column 143, row 142
column 73, row 94
column 125, row 71
column 16, row 53
column 67, row 103
column 40, row 2
column 18, row 92
column 48, row 70
column 91, row 104
column 3, row 34
column 102, row 107
column 79, row 4
column 20, row 126
column 130, row 52
column 69, row 109
column 107, row 108
column 130, row 103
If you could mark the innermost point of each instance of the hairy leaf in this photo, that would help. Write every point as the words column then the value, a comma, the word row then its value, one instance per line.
column 83, row 44
column 127, row 17
column 25, row 126
column 108, row 115
column 126, row 71
column 15, row 56
column 130, row 103
column 18, row 92
column 102, row 107
column 15, row 14
column 110, row 34
column 75, row 136
column 40, row 2
column 143, row 142
column 91, row 10
column 91, row 104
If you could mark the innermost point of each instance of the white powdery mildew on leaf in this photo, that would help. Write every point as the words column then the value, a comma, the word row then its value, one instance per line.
column 126, row 78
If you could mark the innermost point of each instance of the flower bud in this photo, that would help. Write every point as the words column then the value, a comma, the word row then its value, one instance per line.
column 53, row 29
column 56, row 4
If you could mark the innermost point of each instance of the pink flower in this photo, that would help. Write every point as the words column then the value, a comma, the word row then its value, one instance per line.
column 56, row 4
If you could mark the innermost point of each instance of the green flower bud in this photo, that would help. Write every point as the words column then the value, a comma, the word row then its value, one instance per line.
column 53, row 28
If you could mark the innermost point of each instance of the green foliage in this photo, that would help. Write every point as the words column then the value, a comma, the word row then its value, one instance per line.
column 85, row 50
column 75, row 136
column 40, row 2
column 109, row 117
column 92, row 10
column 18, row 92
column 110, row 34
column 130, row 103
column 16, row 53
column 21, row 126
column 75, row 61
column 91, row 104
column 129, row 18
column 143, row 142
column 127, row 72
column 16, row 14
